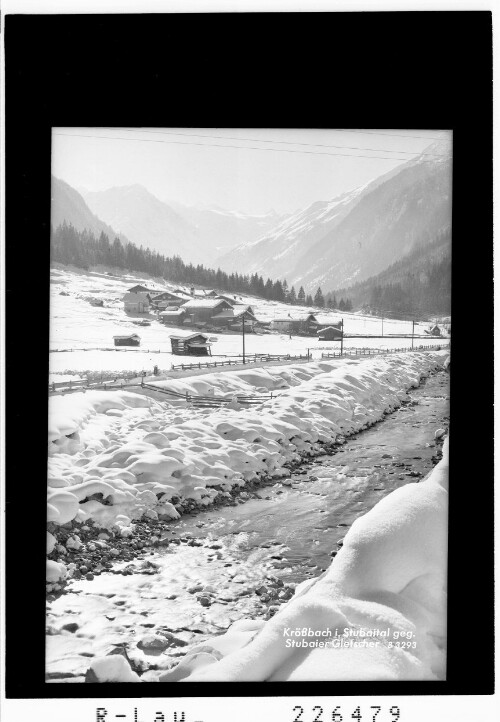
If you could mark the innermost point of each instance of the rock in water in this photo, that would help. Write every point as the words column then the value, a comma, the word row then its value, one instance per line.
column 111, row 669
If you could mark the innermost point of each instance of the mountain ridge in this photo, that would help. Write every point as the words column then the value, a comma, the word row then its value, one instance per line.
column 329, row 242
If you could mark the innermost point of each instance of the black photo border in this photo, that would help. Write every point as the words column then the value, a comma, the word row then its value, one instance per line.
column 418, row 70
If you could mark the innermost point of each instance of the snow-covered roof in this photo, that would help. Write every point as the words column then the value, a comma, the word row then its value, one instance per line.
column 166, row 293
column 329, row 328
column 185, row 335
column 235, row 312
column 204, row 303
column 180, row 312
column 240, row 307
column 129, row 335
column 138, row 287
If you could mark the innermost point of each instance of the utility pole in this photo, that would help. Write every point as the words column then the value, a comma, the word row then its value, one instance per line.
column 412, row 332
column 243, row 335
column 342, row 338
column 382, row 327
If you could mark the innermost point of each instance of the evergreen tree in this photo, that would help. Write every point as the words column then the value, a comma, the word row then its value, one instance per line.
column 301, row 297
column 292, row 297
column 309, row 300
column 268, row 289
column 278, row 292
column 318, row 298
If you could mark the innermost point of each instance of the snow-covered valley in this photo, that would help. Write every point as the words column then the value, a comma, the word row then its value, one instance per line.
column 81, row 335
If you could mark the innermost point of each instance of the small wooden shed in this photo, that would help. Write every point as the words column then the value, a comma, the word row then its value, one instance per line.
column 330, row 333
column 131, row 340
column 433, row 331
column 172, row 317
column 195, row 344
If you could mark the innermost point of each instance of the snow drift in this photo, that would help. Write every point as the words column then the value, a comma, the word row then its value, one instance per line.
column 116, row 456
column 377, row 613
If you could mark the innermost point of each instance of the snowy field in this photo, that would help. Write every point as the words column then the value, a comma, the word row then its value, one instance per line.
column 77, row 328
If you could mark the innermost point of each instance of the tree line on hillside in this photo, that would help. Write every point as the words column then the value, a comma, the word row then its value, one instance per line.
column 417, row 285
column 83, row 250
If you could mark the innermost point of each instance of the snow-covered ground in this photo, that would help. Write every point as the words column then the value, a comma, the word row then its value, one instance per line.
column 117, row 457
column 78, row 328
column 139, row 454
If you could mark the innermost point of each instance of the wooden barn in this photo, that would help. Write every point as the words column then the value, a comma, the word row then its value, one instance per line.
column 202, row 311
column 136, row 303
column 132, row 339
column 233, row 318
column 172, row 316
column 330, row 333
column 194, row 344
column 297, row 323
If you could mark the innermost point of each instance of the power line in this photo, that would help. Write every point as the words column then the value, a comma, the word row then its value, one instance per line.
column 236, row 147
column 280, row 142
column 391, row 135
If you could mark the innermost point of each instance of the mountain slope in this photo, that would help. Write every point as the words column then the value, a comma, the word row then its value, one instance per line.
column 418, row 283
column 145, row 220
column 68, row 205
column 357, row 234
column 198, row 235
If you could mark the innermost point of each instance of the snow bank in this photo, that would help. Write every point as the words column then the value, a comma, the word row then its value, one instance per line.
column 378, row 612
column 119, row 454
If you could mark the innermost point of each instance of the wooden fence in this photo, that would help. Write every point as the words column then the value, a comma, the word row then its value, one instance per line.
column 238, row 360
column 379, row 351
column 207, row 401
column 102, row 381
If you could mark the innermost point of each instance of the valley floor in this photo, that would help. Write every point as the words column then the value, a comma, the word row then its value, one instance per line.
column 81, row 336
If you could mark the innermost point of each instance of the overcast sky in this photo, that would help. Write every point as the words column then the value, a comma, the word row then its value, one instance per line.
column 248, row 170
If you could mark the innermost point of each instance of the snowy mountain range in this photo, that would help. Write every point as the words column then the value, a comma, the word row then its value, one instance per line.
column 198, row 235
column 356, row 235
column 331, row 244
